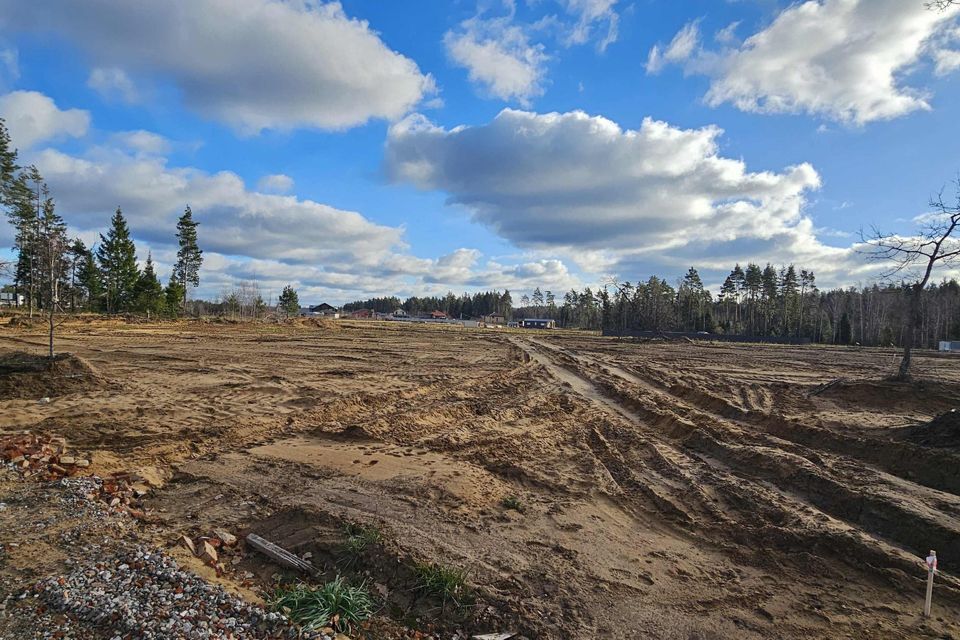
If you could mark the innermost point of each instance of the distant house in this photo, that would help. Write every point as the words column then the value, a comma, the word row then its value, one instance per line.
column 494, row 320
column 361, row 314
column 400, row 313
column 538, row 323
column 947, row 345
column 12, row 299
column 325, row 310
column 438, row 315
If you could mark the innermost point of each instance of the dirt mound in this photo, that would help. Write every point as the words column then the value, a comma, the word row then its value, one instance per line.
column 20, row 321
column 27, row 375
column 943, row 431
column 892, row 395
column 319, row 323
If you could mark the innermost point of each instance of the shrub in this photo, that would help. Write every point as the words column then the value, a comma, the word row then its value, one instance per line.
column 512, row 502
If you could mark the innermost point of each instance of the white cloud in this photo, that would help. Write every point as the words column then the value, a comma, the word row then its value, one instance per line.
column 253, row 64
column 140, row 141
column 275, row 183
column 9, row 65
column 113, row 83
column 680, row 48
column 591, row 15
column 32, row 117
column 498, row 57
column 612, row 200
column 947, row 61
column 234, row 220
column 840, row 59
column 727, row 35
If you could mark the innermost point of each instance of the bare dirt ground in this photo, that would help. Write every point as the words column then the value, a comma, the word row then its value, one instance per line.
column 666, row 490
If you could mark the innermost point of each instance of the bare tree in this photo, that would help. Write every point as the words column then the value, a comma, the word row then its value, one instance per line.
column 53, row 245
column 915, row 257
column 942, row 5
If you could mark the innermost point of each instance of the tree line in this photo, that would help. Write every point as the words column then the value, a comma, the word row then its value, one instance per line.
column 55, row 273
column 463, row 306
column 765, row 301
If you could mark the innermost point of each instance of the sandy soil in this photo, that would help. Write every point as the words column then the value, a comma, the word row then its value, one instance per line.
column 667, row 490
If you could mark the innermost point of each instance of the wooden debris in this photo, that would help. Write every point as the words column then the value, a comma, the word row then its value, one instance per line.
column 208, row 553
column 188, row 543
column 227, row 538
column 280, row 555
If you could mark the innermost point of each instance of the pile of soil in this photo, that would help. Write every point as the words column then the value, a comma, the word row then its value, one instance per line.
column 27, row 375
column 943, row 431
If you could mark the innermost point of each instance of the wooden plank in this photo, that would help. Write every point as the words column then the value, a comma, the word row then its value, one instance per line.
column 280, row 555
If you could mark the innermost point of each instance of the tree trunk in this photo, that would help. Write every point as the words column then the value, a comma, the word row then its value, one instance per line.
column 912, row 312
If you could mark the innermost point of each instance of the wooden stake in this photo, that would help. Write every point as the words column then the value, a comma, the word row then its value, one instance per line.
column 931, row 569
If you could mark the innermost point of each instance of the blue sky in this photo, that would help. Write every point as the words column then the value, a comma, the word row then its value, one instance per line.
column 432, row 146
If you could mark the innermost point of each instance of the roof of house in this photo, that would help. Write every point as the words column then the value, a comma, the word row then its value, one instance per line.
column 323, row 306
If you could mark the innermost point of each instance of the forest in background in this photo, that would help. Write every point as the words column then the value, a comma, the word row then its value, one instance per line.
column 753, row 301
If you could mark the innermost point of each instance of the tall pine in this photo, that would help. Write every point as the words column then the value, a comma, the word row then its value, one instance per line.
column 117, row 257
column 186, row 271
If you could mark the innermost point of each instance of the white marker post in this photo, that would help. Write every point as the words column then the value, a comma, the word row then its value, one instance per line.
column 931, row 569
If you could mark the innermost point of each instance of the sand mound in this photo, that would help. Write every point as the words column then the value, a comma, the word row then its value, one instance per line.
column 320, row 323
column 943, row 431
column 892, row 395
column 27, row 375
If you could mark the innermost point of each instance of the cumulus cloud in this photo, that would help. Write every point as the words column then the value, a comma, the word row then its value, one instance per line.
column 554, row 179
column 680, row 49
column 614, row 200
column 498, row 57
column 840, row 59
column 235, row 221
column 275, row 183
column 32, row 117
column 253, row 64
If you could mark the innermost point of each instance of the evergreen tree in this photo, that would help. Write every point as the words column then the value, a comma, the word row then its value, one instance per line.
column 174, row 295
column 189, row 255
column 117, row 257
column 289, row 302
column 78, row 250
column 537, row 298
column 89, row 281
column 148, row 295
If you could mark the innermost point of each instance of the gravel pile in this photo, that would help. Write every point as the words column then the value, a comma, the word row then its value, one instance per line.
column 141, row 593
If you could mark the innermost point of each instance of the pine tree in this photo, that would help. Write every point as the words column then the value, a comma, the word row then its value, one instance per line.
column 189, row 255
column 89, row 280
column 148, row 293
column 289, row 302
column 117, row 256
column 173, row 293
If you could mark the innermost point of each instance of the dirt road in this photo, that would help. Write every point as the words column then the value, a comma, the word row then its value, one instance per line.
column 666, row 490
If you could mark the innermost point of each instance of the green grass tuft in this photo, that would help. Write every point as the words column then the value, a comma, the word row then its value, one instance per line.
column 449, row 584
column 359, row 537
column 512, row 502
column 336, row 604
